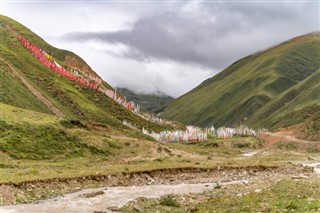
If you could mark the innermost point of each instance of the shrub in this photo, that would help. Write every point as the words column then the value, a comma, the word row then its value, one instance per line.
column 292, row 206
column 169, row 200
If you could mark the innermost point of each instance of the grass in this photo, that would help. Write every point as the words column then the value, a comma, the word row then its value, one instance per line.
column 27, row 134
column 43, row 142
column 13, row 115
column 91, row 140
column 108, row 154
column 169, row 200
column 222, row 147
column 270, row 89
column 14, row 93
column 284, row 196
column 75, row 101
column 313, row 126
column 55, row 151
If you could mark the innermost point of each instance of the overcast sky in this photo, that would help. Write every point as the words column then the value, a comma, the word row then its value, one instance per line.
column 167, row 46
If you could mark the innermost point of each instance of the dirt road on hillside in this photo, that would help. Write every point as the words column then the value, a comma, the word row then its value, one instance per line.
column 34, row 91
column 273, row 138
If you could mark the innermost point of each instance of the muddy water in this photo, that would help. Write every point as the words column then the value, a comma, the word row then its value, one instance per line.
column 106, row 198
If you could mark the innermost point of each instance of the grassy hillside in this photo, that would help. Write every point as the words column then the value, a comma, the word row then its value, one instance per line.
column 65, row 57
column 27, row 134
column 150, row 102
column 275, row 88
column 73, row 100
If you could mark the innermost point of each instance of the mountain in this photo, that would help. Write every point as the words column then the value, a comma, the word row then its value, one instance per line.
column 28, row 87
column 274, row 88
column 150, row 102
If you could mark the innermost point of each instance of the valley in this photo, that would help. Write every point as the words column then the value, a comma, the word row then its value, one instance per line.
column 69, row 142
column 238, row 167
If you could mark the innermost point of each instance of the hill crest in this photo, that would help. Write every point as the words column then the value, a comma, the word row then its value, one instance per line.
column 273, row 83
column 68, row 98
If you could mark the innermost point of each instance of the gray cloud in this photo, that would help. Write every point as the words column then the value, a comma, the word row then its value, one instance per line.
column 164, row 46
column 211, row 34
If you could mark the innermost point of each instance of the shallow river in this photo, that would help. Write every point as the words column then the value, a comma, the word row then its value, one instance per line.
column 314, row 165
column 111, row 197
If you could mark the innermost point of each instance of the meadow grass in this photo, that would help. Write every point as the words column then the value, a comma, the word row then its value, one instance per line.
column 272, row 89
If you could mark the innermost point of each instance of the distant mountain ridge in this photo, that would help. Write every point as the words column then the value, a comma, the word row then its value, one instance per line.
column 274, row 88
column 151, row 102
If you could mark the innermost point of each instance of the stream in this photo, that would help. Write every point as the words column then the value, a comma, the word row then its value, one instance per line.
column 104, row 199
column 314, row 165
column 100, row 199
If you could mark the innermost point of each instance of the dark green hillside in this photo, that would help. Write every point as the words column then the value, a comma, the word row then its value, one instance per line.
column 30, row 135
column 73, row 100
column 274, row 88
column 151, row 102
column 295, row 106
column 14, row 93
column 65, row 57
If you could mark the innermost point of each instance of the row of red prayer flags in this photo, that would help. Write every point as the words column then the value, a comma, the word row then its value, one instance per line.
column 47, row 60
column 93, row 82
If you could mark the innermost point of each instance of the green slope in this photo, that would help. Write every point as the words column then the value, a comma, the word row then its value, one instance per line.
column 26, row 135
column 73, row 100
column 150, row 102
column 14, row 93
column 274, row 88
column 296, row 105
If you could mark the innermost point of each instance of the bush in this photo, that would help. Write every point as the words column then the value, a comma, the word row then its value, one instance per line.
column 217, row 186
column 292, row 206
column 240, row 145
column 169, row 200
column 72, row 123
column 213, row 144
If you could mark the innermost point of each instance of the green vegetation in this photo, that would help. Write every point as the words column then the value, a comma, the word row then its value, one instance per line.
column 42, row 146
column 36, row 144
column 41, row 142
column 312, row 129
column 14, row 93
column 91, row 141
column 284, row 196
column 30, row 135
column 275, row 88
column 76, row 102
column 169, row 200
column 59, row 147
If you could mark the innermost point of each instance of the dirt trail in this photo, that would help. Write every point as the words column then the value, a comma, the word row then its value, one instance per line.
column 272, row 139
column 159, row 150
column 34, row 91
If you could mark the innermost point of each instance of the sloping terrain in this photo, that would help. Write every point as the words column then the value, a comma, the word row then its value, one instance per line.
column 50, row 121
column 26, row 83
column 58, row 136
column 274, row 88
column 150, row 102
column 53, row 127
column 305, row 132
